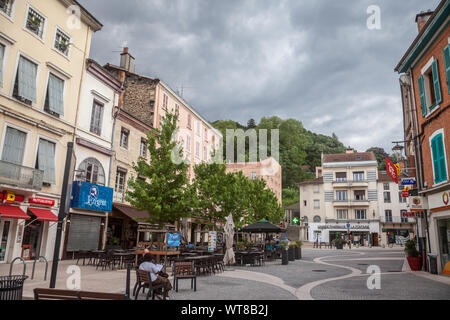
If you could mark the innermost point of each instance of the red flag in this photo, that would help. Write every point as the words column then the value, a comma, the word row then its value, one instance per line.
column 391, row 170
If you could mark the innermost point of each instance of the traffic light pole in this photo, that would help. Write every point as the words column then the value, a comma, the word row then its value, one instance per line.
column 62, row 214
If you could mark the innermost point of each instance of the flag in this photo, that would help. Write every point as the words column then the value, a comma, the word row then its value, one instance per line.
column 391, row 170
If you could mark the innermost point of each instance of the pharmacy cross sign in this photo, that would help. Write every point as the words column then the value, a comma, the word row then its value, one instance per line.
column 295, row 220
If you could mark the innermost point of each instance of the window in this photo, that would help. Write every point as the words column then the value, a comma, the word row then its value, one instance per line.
column 13, row 146
column 341, row 176
column 304, row 203
column 253, row 175
column 438, row 158
column 429, row 88
column 342, row 214
column 358, row 176
column 165, row 101
column 124, row 134
column 360, row 214
column 341, row 195
column 6, row 7
column 2, row 55
column 25, row 83
column 143, row 148
column 446, row 54
column 387, row 197
column 316, row 188
column 316, row 204
column 96, row 118
column 386, row 186
column 403, row 219
column 360, row 195
column 54, row 99
column 62, row 42
column 205, row 153
column 35, row 22
column 197, row 149
column 177, row 110
column 206, row 134
column 91, row 170
column 317, row 219
column 400, row 198
column 120, row 182
column 213, row 138
column 188, row 146
column 45, row 160
column 199, row 128
column 189, row 121
column 388, row 215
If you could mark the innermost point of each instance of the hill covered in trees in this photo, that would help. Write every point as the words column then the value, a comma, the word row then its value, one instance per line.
column 300, row 149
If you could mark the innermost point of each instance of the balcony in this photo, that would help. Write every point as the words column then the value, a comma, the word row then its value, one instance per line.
column 118, row 197
column 385, row 219
column 350, row 183
column 351, row 203
column 19, row 176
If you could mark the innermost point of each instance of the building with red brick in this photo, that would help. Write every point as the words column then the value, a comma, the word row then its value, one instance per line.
column 425, row 87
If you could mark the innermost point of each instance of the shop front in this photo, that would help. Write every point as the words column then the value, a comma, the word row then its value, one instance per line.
column 360, row 233
column 87, row 222
column 439, row 225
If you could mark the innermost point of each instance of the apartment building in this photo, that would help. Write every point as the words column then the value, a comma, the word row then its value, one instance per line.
column 343, row 200
column 269, row 170
column 396, row 227
column 143, row 105
column 42, row 57
column 425, row 86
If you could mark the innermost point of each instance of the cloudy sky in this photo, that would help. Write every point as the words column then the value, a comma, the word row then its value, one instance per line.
column 312, row 60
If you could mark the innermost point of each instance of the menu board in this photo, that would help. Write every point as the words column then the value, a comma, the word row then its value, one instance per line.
column 212, row 241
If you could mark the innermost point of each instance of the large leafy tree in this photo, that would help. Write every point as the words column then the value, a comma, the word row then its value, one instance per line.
column 160, row 186
column 380, row 155
column 263, row 203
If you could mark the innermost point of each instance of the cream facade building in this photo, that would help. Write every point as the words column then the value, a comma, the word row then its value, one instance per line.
column 42, row 62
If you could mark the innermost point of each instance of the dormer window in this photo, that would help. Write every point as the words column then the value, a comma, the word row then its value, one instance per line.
column 35, row 22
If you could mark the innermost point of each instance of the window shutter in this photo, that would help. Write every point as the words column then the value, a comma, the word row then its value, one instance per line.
column 434, row 152
column 55, row 94
column 2, row 54
column 447, row 65
column 13, row 146
column 437, row 85
column 441, row 158
column 46, row 156
column 27, row 79
column 423, row 101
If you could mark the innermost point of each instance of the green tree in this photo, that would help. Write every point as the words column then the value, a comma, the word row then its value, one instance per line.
column 380, row 155
column 263, row 203
column 251, row 124
column 160, row 186
column 290, row 196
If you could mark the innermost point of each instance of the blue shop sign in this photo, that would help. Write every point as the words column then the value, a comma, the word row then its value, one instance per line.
column 173, row 239
column 90, row 196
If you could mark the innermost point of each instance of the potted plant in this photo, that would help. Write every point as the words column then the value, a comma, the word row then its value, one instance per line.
column 33, row 23
column 3, row 3
column 298, row 249
column 414, row 261
column 241, row 245
column 62, row 45
column 284, row 253
column 291, row 251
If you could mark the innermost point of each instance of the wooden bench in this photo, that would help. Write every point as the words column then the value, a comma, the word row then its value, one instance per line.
column 184, row 270
column 58, row 294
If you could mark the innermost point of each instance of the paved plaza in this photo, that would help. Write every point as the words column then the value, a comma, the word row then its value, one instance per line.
column 321, row 274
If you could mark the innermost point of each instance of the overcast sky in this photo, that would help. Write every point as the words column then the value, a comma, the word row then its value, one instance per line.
column 312, row 60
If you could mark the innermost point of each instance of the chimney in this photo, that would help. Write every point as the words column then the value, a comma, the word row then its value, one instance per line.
column 127, row 60
column 422, row 18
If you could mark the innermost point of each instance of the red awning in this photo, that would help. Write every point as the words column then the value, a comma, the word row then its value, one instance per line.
column 43, row 214
column 12, row 212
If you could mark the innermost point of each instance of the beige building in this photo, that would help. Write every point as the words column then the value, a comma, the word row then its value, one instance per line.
column 43, row 50
column 268, row 169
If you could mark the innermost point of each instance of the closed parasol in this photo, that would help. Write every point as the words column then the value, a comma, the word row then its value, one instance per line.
column 228, row 259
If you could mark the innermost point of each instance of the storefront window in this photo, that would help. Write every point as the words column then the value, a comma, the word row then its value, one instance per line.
column 444, row 241
column 32, row 237
column 4, row 232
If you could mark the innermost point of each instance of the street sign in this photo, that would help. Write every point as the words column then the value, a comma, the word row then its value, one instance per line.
column 409, row 181
column 391, row 170
column 405, row 193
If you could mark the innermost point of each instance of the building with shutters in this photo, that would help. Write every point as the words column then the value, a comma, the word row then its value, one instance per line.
column 425, row 87
column 343, row 199
column 42, row 59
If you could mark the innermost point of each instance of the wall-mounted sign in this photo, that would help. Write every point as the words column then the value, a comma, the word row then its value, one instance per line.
column 405, row 193
column 90, row 196
column 344, row 227
column 173, row 239
column 212, row 241
column 417, row 203
column 26, row 251
column 42, row 201
column 439, row 201
column 10, row 197
column 406, row 214
column 409, row 181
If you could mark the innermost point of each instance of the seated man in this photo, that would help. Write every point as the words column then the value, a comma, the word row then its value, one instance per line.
column 190, row 246
column 155, row 273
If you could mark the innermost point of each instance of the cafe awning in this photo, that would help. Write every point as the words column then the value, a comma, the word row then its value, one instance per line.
column 12, row 212
column 263, row 226
column 131, row 212
column 44, row 214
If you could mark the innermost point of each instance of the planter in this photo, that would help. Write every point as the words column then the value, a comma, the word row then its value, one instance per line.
column 297, row 253
column 339, row 246
column 291, row 254
column 284, row 257
column 415, row 263
column 33, row 27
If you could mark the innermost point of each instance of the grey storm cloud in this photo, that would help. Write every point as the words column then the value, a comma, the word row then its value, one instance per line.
column 312, row 60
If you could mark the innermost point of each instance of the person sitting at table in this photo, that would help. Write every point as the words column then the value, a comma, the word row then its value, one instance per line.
column 155, row 273
column 190, row 246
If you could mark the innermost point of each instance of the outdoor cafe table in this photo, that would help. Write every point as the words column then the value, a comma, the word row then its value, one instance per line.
column 158, row 254
column 121, row 255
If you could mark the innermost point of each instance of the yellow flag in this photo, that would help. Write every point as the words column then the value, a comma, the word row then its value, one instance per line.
column 398, row 168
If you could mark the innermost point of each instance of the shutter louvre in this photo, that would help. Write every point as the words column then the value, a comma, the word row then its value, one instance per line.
column 27, row 79
column 2, row 54
column 423, row 101
column 447, row 65
column 55, row 95
column 436, row 84
column 441, row 160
